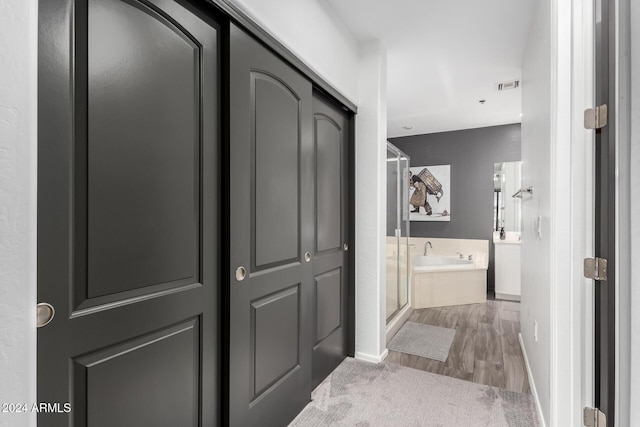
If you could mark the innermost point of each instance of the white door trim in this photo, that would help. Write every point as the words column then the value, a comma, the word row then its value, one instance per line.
column 584, row 163
column 572, row 212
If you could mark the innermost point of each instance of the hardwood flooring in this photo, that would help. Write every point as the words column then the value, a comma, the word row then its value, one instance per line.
column 485, row 348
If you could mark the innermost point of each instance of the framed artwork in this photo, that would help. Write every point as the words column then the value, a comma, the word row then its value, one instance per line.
column 430, row 193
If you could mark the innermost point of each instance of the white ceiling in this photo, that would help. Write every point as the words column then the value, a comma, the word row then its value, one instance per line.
column 443, row 57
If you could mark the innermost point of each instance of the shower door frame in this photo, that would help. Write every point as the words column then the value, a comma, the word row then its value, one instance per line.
column 400, row 156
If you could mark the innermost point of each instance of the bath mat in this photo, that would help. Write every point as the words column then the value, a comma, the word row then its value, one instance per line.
column 360, row 393
column 428, row 341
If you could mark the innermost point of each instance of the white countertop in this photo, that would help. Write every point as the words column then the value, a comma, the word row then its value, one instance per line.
column 511, row 238
column 506, row 242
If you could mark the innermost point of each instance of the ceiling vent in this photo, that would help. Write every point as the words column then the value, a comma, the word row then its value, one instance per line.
column 507, row 85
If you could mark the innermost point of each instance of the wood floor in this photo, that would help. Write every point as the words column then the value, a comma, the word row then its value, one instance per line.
column 485, row 348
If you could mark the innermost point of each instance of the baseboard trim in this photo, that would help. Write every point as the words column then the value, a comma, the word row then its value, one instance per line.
column 532, row 384
column 371, row 358
column 508, row 297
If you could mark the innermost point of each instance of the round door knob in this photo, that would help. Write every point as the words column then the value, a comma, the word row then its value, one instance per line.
column 307, row 257
column 45, row 314
column 241, row 273
column 345, row 247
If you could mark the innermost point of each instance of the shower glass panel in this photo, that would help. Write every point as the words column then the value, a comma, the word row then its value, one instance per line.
column 403, row 259
column 397, row 230
column 392, row 239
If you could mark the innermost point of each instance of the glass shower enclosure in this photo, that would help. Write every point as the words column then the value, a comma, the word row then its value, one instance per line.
column 397, row 230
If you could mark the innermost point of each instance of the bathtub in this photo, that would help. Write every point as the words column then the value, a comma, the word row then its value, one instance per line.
column 440, row 263
column 441, row 281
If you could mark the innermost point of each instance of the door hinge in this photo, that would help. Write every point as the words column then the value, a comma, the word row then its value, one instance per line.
column 595, row 268
column 594, row 417
column 595, row 118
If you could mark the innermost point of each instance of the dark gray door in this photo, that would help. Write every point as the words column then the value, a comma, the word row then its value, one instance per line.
column 127, row 223
column 330, row 269
column 605, row 205
column 271, row 237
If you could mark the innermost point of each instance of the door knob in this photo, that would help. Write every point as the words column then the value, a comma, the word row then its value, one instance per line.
column 45, row 314
column 307, row 257
column 241, row 273
column 345, row 247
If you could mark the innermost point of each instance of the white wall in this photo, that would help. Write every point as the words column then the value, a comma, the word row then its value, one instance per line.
column 536, row 172
column 311, row 30
column 371, row 139
column 18, row 103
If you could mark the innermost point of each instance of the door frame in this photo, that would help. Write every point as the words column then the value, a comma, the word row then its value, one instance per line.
column 583, row 88
column 623, row 129
column 572, row 186
column 607, row 211
column 584, row 80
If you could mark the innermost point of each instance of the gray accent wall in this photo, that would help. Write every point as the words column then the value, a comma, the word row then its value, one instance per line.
column 471, row 154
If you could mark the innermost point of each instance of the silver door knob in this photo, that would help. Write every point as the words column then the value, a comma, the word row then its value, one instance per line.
column 345, row 247
column 307, row 257
column 241, row 273
column 45, row 314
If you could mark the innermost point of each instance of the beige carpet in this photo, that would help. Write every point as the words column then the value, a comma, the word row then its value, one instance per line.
column 363, row 394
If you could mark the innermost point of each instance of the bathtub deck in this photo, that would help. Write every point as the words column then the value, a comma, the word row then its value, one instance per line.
column 485, row 348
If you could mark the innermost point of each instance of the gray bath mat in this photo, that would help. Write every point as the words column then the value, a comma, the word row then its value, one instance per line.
column 423, row 340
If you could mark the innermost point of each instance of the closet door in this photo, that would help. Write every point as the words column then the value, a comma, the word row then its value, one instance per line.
column 330, row 249
column 271, row 237
column 127, row 214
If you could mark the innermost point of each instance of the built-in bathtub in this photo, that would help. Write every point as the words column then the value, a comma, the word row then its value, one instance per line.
column 448, row 280
column 440, row 263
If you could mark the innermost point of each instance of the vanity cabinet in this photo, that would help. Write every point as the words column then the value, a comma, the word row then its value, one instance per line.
column 507, row 270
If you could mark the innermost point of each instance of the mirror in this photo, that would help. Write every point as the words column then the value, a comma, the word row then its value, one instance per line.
column 506, row 208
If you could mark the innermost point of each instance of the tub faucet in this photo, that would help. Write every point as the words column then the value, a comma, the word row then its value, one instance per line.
column 425, row 247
